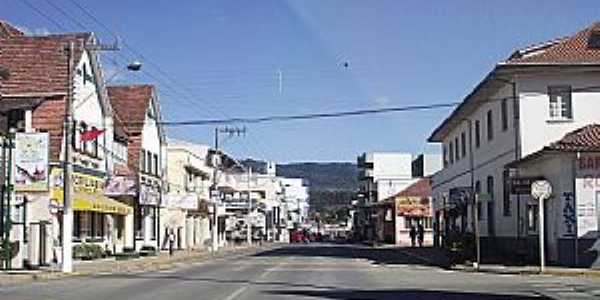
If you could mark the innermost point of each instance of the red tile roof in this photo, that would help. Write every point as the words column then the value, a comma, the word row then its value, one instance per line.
column 580, row 48
column 585, row 139
column 37, row 64
column 421, row 188
column 130, row 104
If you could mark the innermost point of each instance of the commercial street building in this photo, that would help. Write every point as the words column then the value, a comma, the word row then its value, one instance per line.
column 136, row 106
column 33, row 104
column 184, row 209
column 533, row 98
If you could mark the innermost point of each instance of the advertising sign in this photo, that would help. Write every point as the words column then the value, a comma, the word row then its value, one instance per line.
column 185, row 201
column 31, row 162
column 522, row 185
column 587, row 190
column 148, row 196
column 120, row 186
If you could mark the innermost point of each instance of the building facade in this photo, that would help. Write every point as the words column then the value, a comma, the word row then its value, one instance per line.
column 534, row 97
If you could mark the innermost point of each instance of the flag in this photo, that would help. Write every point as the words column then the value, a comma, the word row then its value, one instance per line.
column 91, row 134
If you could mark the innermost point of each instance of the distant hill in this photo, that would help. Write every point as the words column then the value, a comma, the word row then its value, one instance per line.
column 332, row 176
column 332, row 186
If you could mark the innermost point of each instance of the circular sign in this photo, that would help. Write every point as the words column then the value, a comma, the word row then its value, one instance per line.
column 541, row 189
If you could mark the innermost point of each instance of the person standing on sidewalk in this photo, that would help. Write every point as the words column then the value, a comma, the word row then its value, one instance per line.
column 413, row 235
column 421, row 234
column 171, row 241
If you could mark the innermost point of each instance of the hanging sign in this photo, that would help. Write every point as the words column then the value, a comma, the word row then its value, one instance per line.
column 31, row 162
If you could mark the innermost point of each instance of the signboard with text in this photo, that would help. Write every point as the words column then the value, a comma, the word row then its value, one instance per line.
column 587, row 193
column 31, row 162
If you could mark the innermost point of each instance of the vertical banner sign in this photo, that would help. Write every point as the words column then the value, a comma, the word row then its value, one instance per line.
column 569, row 217
column 31, row 162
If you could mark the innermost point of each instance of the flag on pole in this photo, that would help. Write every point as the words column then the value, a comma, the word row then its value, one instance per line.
column 91, row 134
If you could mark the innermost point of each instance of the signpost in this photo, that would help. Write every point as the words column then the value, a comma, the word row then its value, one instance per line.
column 541, row 190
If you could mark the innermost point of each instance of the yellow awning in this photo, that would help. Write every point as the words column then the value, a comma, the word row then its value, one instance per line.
column 97, row 203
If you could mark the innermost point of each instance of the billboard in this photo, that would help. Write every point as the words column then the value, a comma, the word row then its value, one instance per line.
column 31, row 162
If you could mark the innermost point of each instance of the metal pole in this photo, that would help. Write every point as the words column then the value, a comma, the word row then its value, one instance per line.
column 477, row 235
column 215, row 234
column 67, row 258
column 541, row 230
column 248, row 223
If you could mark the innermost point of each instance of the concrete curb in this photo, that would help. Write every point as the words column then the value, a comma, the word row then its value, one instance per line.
column 144, row 264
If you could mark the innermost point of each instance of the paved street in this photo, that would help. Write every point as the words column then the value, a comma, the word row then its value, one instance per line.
column 307, row 272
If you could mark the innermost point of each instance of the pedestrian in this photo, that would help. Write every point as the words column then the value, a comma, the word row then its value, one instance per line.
column 413, row 235
column 421, row 234
column 171, row 241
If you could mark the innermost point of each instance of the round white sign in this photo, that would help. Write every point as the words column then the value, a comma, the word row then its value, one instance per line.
column 541, row 189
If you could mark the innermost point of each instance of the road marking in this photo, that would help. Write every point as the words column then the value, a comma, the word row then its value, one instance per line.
column 236, row 293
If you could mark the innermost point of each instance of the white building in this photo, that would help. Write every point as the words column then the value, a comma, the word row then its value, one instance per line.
column 531, row 99
column 184, row 209
column 383, row 174
column 296, row 195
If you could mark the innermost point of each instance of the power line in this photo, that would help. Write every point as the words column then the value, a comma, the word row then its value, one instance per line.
column 282, row 118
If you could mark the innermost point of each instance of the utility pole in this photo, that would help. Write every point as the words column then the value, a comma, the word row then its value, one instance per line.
column 67, row 228
column 214, row 192
column 248, row 223
column 477, row 234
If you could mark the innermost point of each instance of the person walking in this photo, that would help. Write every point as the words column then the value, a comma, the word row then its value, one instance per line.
column 421, row 234
column 171, row 241
column 413, row 235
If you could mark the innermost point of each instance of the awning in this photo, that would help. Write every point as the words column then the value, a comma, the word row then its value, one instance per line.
column 97, row 203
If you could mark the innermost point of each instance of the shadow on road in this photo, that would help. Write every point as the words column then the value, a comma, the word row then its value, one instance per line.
column 398, row 294
column 376, row 255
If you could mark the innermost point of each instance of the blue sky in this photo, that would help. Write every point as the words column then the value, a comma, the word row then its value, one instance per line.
column 223, row 59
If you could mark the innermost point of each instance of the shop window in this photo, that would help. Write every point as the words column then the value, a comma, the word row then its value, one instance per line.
column 98, row 225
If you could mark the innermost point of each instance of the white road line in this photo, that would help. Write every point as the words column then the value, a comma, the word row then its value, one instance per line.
column 236, row 293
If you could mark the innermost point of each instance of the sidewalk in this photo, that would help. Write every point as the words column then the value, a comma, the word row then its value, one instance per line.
column 437, row 257
column 110, row 265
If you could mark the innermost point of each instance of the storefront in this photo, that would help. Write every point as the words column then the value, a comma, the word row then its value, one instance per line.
column 147, row 216
column 97, row 219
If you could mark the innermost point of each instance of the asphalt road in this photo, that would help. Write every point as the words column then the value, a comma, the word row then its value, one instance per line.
column 308, row 272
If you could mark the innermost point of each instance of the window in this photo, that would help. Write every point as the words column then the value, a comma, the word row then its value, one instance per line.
column 478, row 191
column 155, row 161
column 82, row 144
column 148, row 162
column 457, row 150
column 145, row 221
column 97, row 225
column 142, row 161
column 477, row 133
column 463, row 144
column 560, row 102
column 532, row 217
column 490, row 207
column 490, row 126
column 504, row 108
column 451, row 152
column 94, row 146
column 445, row 155
column 505, row 194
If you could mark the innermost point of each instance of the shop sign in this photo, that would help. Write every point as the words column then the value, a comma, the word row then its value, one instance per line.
column 82, row 183
column 120, row 186
column 459, row 195
column 148, row 196
column 522, row 185
column 186, row 201
column 587, row 195
column 31, row 162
